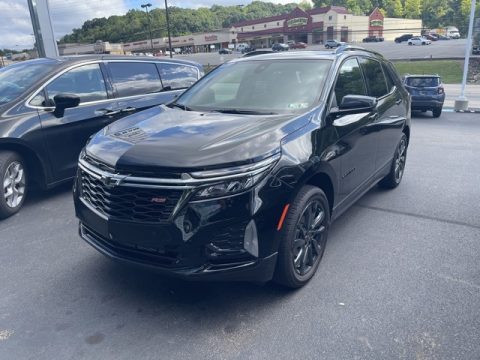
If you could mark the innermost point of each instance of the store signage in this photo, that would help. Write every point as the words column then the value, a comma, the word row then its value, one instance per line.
column 300, row 21
column 376, row 22
column 211, row 38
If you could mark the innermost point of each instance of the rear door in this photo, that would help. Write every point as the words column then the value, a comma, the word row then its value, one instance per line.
column 357, row 140
column 390, row 109
column 66, row 135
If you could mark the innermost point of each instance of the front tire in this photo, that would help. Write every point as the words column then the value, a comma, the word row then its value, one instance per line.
column 13, row 183
column 394, row 177
column 303, row 238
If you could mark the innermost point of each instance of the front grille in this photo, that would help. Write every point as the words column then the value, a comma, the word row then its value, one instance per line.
column 129, row 203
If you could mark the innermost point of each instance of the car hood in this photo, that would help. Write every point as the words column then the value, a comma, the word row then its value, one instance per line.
column 172, row 138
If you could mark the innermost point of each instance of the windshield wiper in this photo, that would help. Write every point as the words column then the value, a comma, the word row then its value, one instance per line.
column 243, row 112
column 180, row 106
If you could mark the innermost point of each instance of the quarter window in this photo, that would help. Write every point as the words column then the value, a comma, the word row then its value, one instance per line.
column 377, row 87
column 86, row 81
column 134, row 78
column 177, row 76
column 349, row 81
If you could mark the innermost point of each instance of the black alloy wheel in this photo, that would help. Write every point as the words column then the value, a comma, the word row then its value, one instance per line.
column 303, row 238
column 394, row 177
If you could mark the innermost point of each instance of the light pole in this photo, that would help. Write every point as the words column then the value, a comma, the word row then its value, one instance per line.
column 146, row 6
column 168, row 29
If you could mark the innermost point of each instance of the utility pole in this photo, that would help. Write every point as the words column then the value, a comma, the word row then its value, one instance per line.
column 146, row 6
column 168, row 29
column 461, row 103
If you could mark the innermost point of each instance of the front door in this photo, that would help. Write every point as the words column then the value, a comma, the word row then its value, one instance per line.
column 66, row 134
column 357, row 142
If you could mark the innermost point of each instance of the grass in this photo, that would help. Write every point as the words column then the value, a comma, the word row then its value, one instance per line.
column 450, row 70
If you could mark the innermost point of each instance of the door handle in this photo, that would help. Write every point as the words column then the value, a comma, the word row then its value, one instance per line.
column 129, row 109
column 107, row 112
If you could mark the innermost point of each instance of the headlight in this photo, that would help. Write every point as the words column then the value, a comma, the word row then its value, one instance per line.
column 234, row 180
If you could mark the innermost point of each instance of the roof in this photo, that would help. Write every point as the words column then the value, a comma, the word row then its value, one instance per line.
column 422, row 75
column 309, row 54
column 82, row 58
column 314, row 11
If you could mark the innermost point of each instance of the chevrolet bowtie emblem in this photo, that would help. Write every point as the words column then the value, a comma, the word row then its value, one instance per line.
column 110, row 182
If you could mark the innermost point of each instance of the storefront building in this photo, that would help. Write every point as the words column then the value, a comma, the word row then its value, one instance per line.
column 320, row 24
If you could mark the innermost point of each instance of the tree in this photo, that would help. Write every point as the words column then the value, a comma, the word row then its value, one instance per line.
column 305, row 5
column 412, row 9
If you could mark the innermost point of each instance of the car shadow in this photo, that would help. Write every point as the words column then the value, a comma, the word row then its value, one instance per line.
column 37, row 195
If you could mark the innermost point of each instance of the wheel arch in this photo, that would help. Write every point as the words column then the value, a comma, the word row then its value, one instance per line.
column 32, row 161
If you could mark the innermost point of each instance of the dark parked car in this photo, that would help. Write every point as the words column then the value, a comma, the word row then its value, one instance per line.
column 431, row 37
column 241, row 176
column 280, row 47
column 404, row 37
column 248, row 49
column 330, row 44
column 50, row 107
column 427, row 93
column 443, row 37
column 373, row 38
column 297, row 45
column 224, row 51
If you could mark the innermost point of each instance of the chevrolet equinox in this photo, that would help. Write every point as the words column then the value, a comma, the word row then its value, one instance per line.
column 241, row 176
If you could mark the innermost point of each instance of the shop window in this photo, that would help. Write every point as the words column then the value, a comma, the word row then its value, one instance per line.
column 330, row 18
column 344, row 17
column 265, row 25
column 253, row 27
column 278, row 24
column 242, row 29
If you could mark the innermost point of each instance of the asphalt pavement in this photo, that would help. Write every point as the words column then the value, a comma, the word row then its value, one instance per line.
column 400, row 279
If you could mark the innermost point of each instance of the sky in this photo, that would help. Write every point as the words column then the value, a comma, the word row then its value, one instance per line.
column 16, row 29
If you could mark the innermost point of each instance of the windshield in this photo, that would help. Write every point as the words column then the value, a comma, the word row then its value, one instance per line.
column 265, row 86
column 422, row 81
column 16, row 79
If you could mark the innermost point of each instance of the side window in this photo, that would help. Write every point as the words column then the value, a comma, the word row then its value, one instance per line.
column 85, row 81
column 349, row 81
column 134, row 78
column 176, row 76
column 377, row 87
column 388, row 77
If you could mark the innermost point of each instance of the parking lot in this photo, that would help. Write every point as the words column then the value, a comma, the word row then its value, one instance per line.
column 399, row 279
column 391, row 50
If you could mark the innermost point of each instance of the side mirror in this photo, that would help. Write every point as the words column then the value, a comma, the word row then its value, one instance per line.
column 358, row 103
column 64, row 101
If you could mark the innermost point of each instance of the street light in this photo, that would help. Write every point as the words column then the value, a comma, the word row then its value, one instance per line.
column 146, row 6
column 168, row 29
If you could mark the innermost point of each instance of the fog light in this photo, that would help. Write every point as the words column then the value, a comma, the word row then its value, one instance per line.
column 250, row 240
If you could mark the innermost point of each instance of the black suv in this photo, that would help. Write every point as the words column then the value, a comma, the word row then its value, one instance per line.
column 402, row 38
column 241, row 176
column 427, row 93
column 49, row 108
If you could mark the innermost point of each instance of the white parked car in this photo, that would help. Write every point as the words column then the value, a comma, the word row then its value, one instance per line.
column 419, row 40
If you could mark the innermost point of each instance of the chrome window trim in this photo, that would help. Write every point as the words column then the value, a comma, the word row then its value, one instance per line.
column 46, row 83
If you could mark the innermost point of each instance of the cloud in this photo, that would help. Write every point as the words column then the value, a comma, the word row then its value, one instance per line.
column 16, row 29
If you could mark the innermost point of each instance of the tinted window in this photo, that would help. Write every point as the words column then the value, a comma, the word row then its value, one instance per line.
column 388, row 77
column 422, row 81
column 349, row 81
column 134, row 78
column 177, row 76
column 17, row 78
column 376, row 84
column 85, row 81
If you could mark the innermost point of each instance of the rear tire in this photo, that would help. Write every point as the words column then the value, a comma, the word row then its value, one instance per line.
column 394, row 177
column 303, row 238
column 13, row 183
column 437, row 112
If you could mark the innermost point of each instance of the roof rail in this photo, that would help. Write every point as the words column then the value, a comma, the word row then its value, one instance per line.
column 344, row 48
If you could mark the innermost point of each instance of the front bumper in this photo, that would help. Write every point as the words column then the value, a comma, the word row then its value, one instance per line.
column 202, row 241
